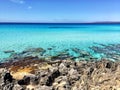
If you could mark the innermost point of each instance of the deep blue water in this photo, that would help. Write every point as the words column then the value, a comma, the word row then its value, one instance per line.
column 64, row 36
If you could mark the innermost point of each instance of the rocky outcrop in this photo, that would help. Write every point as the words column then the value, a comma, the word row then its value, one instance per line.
column 60, row 75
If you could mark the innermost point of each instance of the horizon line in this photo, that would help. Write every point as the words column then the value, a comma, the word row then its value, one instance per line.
column 97, row 22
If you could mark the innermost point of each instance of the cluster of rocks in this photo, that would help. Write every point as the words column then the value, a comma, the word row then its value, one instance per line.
column 32, row 73
column 82, row 55
column 111, row 51
column 50, row 54
column 33, row 52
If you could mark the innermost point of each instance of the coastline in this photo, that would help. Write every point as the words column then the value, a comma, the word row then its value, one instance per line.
column 34, row 74
column 58, row 73
column 60, row 45
column 94, row 67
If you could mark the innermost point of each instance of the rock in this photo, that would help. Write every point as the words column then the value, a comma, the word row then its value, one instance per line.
column 43, row 88
column 34, row 80
column 31, row 73
column 61, row 83
column 72, row 72
column 44, row 66
column 34, row 52
column 52, row 77
column 43, row 80
column 29, row 80
column 109, row 51
column 49, row 48
column 9, row 51
column 31, row 87
column 84, row 53
column 76, row 86
column 53, row 57
column 63, row 69
column 6, row 81
column 3, row 70
column 8, row 86
column 17, row 87
column 76, row 50
column 24, row 81
column 47, row 76
column 61, row 56
column 37, row 50
column 21, row 72
column 8, row 78
column 73, row 76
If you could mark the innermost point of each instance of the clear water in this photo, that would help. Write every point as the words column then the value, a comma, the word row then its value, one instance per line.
column 20, row 36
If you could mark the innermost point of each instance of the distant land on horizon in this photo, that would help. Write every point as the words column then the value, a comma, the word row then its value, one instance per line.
column 106, row 22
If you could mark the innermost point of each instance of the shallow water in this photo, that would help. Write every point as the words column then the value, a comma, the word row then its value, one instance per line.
column 64, row 36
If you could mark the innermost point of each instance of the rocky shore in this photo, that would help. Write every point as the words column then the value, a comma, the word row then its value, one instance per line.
column 41, row 69
column 32, row 73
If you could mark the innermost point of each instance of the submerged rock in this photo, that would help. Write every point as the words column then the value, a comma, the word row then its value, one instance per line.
column 9, row 51
column 111, row 51
column 37, row 50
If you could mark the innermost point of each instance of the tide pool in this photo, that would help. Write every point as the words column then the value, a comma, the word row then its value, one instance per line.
column 63, row 36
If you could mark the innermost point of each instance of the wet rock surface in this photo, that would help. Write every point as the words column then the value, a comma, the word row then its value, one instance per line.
column 60, row 75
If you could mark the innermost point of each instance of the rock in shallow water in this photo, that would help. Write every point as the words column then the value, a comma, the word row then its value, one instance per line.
column 9, row 51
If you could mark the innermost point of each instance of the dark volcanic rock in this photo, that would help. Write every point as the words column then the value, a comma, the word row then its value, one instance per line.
column 8, row 78
column 52, row 77
column 6, row 82
column 24, row 81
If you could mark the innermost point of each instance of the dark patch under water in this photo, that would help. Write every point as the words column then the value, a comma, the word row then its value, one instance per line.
column 111, row 51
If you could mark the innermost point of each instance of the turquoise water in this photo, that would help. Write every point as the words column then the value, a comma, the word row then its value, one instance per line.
column 20, row 36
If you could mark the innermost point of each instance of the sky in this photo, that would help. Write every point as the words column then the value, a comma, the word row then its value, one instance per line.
column 59, row 10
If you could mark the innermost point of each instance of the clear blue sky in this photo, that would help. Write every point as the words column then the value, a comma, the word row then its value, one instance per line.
column 59, row 10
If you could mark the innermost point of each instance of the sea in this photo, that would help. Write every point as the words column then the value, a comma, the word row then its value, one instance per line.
column 19, row 36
